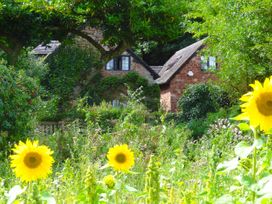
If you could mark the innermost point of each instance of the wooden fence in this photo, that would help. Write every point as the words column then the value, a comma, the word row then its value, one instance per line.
column 49, row 127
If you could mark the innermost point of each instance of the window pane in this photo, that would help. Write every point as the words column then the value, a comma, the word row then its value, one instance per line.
column 110, row 65
column 212, row 63
column 125, row 63
column 204, row 63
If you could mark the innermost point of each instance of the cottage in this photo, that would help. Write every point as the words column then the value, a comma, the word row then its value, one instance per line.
column 185, row 67
column 127, row 62
column 119, row 66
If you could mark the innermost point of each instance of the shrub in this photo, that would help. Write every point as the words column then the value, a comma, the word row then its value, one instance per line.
column 70, row 66
column 20, row 102
column 109, row 88
column 200, row 99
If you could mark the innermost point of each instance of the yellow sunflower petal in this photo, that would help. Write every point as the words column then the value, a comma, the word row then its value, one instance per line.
column 258, row 105
column 121, row 158
column 31, row 161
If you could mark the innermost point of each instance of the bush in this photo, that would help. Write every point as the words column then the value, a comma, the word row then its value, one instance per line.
column 69, row 67
column 20, row 102
column 200, row 99
column 106, row 116
column 109, row 88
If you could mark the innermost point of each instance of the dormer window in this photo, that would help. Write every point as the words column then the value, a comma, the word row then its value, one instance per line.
column 208, row 63
column 121, row 63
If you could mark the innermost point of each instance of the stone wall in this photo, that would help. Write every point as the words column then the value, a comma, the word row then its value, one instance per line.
column 180, row 80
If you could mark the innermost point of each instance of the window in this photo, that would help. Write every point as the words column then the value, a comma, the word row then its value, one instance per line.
column 208, row 63
column 125, row 63
column 110, row 65
column 120, row 63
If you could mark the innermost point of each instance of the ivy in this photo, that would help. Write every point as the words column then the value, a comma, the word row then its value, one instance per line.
column 110, row 88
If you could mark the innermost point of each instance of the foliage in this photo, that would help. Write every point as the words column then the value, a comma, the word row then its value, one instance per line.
column 239, row 35
column 19, row 101
column 181, row 170
column 200, row 99
column 105, row 115
column 23, row 100
column 24, row 23
column 199, row 127
column 116, row 88
column 151, row 51
column 152, row 183
column 69, row 69
column 80, row 156
column 109, row 88
column 22, row 27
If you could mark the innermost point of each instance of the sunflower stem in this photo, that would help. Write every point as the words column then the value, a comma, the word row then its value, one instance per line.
column 29, row 193
column 254, row 166
column 116, row 197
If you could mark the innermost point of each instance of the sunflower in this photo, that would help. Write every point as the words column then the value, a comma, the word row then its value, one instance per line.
column 120, row 157
column 257, row 107
column 31, row 161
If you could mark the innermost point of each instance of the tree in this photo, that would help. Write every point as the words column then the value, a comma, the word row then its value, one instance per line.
column 21, row 27
column 123, row 23
column 20, row 98
column 240, row 35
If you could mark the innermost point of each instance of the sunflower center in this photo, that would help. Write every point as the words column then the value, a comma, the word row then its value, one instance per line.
column 264, row 103
column 120, row 158
column 32, row 160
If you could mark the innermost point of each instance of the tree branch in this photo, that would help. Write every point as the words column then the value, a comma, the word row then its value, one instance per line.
column 90, row 39
column 118, row 50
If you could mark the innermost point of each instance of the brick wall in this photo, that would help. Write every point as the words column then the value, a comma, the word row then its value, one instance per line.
column 171, row 92
column 135, row 66
column 165, row 97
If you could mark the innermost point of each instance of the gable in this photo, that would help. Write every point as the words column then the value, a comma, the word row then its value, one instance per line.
column 177, row 61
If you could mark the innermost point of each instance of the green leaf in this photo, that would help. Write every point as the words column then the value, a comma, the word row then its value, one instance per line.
column 265, row 186
column 130, row 189
column 14, row 192
column 258, row 143
column 45, row 196
column 225, row 199
column 228, row 165
column 243, row 149
column 245, row 180
column 244, row 126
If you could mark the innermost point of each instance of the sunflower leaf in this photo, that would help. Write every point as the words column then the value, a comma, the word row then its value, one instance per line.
column 14, row 192
column 48, row 198
column 243, row 149
column 228, row 165
column 244, row 126
column 130, row 189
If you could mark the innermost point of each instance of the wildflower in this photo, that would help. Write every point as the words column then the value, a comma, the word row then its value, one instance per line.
column 152, row 184
column 31, row 161
column 109, row 181
column 258, row 105
column 121, row 158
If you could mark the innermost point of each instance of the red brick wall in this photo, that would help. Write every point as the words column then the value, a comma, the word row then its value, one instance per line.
column 136, row 67
column 171, row 92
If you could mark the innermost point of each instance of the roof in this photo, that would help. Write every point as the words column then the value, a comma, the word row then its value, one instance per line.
column 143, row 63
column 157, row 69
column 46, row 49
column 176, row 62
